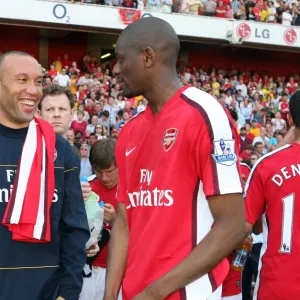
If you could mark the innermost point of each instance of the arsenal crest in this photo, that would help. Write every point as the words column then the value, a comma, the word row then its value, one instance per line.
column 169, row 138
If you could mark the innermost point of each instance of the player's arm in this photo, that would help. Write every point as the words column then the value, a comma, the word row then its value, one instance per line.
column 74, row 230
column 117, row 254
column 254, row 200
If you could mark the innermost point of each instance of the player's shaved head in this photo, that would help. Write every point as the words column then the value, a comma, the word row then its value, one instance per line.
column 152, row 33
column 11, row 53
column 295, row 108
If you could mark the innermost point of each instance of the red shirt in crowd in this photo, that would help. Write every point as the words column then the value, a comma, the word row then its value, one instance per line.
column 52, row 73
column 79, row 126
column 90, row 110
column 66, row 63
column 292, row 86
column 108, row 196
column 272, row 193
column 220, row 11
column 161, row 190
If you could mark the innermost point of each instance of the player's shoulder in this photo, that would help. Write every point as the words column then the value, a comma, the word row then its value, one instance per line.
column 205, row 105
column 272, row 158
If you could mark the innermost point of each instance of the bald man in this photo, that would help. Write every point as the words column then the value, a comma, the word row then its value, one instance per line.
column 33, row 267
column 180, row 210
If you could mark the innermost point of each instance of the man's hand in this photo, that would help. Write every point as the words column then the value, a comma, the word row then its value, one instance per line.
column 86, row 190
column 93, row 250
column 60, row 298
column 249, row 242
column 109, row 213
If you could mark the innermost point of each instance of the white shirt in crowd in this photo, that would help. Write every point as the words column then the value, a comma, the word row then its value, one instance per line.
column 287, row 19
column 62, row 80
column 243, row 88
column 278, row 124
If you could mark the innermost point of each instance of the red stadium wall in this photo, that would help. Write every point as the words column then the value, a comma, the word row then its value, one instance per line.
column 74, row 44
column 19, row 38
column 257, row 60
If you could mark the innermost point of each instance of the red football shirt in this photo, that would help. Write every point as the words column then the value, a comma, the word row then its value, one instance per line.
column 272, row 191
column 108, row 196
column 168, row 165
column 232, row 284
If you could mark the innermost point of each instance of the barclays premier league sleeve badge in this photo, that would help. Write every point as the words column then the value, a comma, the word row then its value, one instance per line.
column 224, row 152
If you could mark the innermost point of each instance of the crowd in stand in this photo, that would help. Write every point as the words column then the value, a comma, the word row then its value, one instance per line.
column 285, row 12
column 259, row 100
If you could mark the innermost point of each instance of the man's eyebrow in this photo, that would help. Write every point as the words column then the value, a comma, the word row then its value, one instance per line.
column 25, row 74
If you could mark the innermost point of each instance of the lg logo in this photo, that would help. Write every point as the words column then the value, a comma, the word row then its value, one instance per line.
column 243, row 31
column 290, row 36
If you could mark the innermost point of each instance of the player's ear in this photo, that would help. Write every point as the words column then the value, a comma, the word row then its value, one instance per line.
column 290, row 120
column 37, row 114
column 149, row 57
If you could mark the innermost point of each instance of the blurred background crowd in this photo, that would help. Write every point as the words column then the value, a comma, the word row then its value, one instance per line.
column 282, row 12
column 260, row 102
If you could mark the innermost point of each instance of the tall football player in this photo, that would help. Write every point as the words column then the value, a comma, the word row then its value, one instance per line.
column 273, row 190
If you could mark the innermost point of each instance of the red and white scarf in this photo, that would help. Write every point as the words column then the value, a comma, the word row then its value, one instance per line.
column 27, row 213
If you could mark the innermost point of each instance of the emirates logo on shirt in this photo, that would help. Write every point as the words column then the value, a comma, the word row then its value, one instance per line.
column 169, row 138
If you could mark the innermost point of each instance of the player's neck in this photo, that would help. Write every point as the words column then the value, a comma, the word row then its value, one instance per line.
column 161, row 93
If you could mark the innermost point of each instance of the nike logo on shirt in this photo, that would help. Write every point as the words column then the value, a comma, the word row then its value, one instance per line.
column 128, row 152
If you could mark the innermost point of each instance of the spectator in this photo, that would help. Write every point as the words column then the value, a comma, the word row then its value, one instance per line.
column 255, row 130
column 79, row 124
column 85, row 80
column 278, row 123
column 287, row 17
column 58, row 65
column 220, row 10
column 66, row 62
column 244, row 140
column 271, row 12
column 90, row 107
column 259, row 149
column 92, row 139
column 99, row 132
column 94, row 121
column 253, row 160
column 236, row 5
column 210, row 8
column 113, row 110
column 246, row 154
column 114, row 133
column 71, row 140
column 62, row 79
column 52, row 72
column 104, row 121
column 229, row 12
column 73, row 83
column 85, row 165
column 241, row 86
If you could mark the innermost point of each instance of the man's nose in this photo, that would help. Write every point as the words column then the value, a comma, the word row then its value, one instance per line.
column 116, row 69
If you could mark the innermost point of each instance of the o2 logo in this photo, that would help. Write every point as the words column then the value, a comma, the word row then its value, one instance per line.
column 60, row 12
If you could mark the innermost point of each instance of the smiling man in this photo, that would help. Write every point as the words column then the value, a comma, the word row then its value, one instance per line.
column 43, row 226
